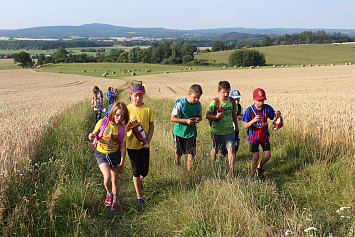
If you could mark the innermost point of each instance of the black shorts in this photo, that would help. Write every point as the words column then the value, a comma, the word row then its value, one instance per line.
column 254, row 147
column 185, row 145
column 139, row 161
column 113, row 159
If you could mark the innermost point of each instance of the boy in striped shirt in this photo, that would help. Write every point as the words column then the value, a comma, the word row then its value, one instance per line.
column 255, row 120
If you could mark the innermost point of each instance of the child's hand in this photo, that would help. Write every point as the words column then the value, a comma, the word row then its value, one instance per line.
column 120, row 167
column 132, row 121
column 220, row 115
column 190, row 121
column 91, row 136
column 257, row 118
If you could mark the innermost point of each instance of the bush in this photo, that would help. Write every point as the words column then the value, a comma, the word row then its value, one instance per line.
column 247, row 58
column 171, row 60
column 187, row 58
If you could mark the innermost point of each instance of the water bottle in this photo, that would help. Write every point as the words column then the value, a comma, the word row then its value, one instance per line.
column 140, row 134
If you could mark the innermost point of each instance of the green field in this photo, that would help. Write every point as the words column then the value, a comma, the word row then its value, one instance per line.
column 62, row 193
column 294, row 54
column 120, row 69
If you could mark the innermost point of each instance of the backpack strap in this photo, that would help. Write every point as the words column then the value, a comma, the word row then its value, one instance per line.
column 121, row 132
column 102, row 128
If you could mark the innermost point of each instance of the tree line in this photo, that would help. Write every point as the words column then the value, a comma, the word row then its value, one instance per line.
column 45, row 44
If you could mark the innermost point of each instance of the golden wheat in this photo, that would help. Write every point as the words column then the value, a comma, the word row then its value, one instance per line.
column 30, row 103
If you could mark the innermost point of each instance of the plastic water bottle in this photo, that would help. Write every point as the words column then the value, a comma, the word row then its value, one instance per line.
column 140, row 134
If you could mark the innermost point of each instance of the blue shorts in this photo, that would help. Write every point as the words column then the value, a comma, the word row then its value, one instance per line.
column 113, row 159
column 220, row 142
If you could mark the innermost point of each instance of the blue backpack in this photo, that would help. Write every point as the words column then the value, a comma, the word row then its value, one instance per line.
column 183, row 102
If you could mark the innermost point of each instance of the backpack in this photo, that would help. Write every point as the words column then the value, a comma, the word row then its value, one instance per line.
column 216, row 106
column 103, row 125
column 183, row 101
column 239, row 109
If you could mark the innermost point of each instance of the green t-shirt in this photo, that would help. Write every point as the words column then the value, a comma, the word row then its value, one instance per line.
column 225, row 125
column 191, row 111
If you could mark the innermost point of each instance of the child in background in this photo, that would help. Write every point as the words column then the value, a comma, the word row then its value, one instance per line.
column 109, row 96
column 110, row 154
column 222, row 113
column 98, row 107
column 255, row 119
column 186, row 113
column 116, row 95
column 236, row 96
column 141, row 114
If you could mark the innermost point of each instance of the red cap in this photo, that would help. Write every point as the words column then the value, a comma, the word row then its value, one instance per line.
column 259, row 94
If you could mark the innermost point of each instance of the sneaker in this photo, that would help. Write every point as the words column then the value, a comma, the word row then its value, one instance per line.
column 260, row 173
column 177, row 162
column 115, row 206
column 139, row 202
column 109, row 199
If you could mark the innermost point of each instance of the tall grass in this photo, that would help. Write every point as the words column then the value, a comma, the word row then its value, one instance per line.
column 307, row 181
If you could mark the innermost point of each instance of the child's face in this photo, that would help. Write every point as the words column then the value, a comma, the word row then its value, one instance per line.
column 192, row 98
column 258, row 103
column 137, row 99
column 224, row 94
column 237, row 100
column 119, row 116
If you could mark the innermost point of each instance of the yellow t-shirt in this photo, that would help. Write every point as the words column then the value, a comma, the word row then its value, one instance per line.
column 144, row 116
column 108, row 142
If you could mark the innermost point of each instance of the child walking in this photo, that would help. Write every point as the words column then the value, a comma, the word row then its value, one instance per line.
column 255, row 120
column 186, row 113
column 110, row 142
column 222, row 114
column 141, row 114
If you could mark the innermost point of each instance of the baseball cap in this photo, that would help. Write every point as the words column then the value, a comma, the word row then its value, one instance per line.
column 235, row 94
column 137, row 88
column 259, row 94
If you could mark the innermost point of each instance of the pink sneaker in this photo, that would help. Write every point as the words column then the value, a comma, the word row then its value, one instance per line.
column 109, row 199
column 115, row 206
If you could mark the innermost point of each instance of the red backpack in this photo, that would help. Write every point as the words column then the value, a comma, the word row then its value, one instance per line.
column 103, row 125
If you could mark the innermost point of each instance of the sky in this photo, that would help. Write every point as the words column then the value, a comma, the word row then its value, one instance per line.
column 182, row 14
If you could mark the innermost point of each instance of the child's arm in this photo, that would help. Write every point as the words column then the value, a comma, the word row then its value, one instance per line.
column 175, row 119
column 254, row 120
column 123, row 156
column 130, row 124
column 235, row 121
column 209, row 115
column 93, row 134
column 151, row 131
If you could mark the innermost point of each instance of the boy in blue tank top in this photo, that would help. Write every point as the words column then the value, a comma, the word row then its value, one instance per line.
column 255, row 120
column 186, row 113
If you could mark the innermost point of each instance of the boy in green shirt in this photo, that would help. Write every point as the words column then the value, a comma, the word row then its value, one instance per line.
column 186, row 113
column 222, row 112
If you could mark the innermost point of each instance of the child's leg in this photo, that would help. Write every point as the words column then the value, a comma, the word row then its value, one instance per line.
column 231, row 158
column 115, row 183
column 138, row 186
column 190, row 161
column 254, row 162
column 213, row 154
column 266, row 158
column 177, row 159
column 105, row 170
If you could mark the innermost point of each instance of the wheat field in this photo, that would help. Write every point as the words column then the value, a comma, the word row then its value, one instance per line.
column 31, row 101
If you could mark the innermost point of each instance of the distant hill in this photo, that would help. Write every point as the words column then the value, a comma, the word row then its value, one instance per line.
column 98, row 30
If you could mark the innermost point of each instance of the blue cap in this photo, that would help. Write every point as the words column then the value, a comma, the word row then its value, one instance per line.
column 235, row 94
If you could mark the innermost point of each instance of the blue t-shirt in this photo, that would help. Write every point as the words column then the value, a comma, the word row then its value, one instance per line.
column 259, row 132
column 110, row 96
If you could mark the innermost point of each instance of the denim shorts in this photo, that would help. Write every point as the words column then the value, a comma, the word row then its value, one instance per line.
column 113, row 159
column 219, row 142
